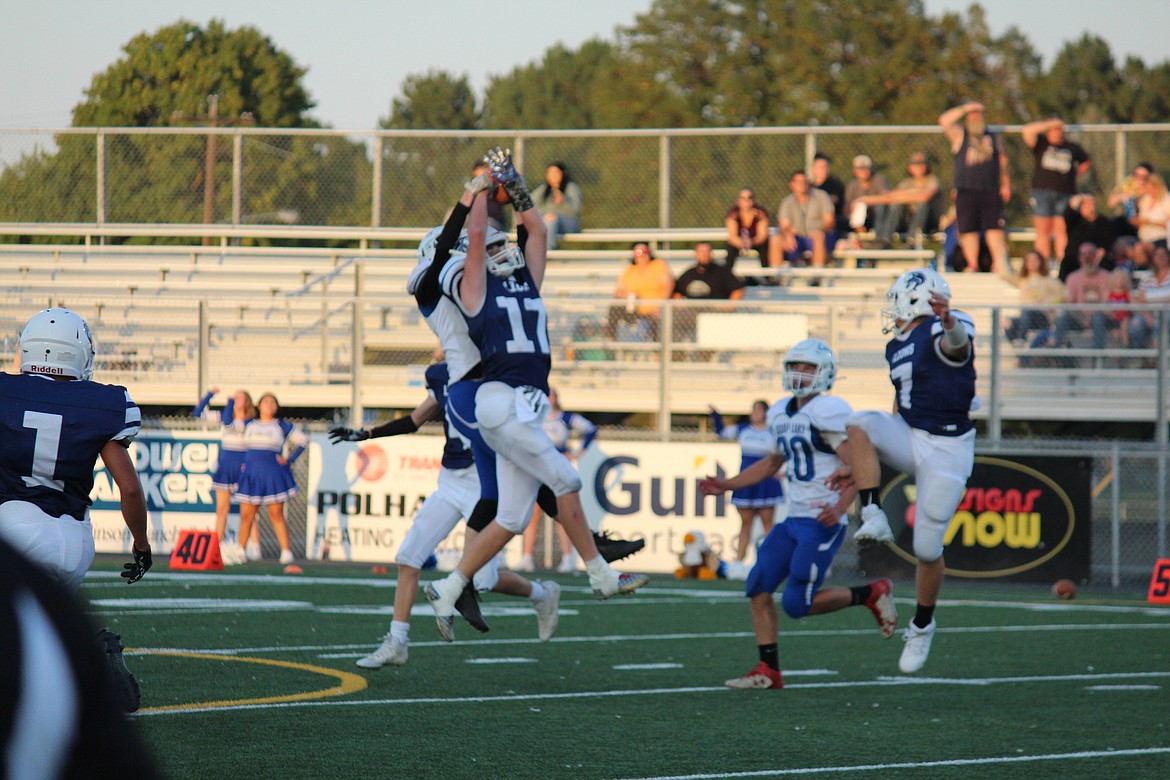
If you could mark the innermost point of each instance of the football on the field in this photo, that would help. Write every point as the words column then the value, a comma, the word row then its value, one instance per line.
column 1064, row 589
column 501, row 195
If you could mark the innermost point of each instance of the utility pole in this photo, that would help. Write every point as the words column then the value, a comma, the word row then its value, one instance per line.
column 209, row 169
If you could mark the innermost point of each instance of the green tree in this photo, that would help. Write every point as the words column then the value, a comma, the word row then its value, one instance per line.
column 436, row 100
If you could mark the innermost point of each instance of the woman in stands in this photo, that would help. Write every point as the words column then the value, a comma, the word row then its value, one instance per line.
column 234, row 418
column 1037, row 288
column 559, row 201
column 266, row 478
column 747, row 229
column 755, row 442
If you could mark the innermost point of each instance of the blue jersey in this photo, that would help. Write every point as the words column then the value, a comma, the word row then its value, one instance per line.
column 933, row 392
column 456, row 454
column 52, row 433
column 511, row 331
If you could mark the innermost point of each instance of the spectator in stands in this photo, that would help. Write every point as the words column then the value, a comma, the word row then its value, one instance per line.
column 1153, row 289
column 559, row 200
column 707, row 280
column 1037, row 289
column 822, row 179
column 266, row 477
column 589, row 340
column 747, row 229
column 497, row 217
column 1121, row 295
column 1088, row 284
column 1054, row 180
column 807, row 222
column 1086, row 224
column 1123, row 255
column 865, row 182
column 646, row 278
column 1153, row 215
column 919, row 194
column 1124, row 197
column 237, row 413
column 561, row 427
column 982, row 184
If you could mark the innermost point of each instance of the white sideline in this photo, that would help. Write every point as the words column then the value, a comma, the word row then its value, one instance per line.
column 920, row 764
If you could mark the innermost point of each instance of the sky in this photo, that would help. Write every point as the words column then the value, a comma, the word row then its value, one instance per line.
column 359, row 51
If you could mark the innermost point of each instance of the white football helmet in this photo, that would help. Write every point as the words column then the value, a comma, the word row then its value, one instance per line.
column 426, row 255
column 57, row 342
column 910, row 298
column 502, row 260
column 814, row 352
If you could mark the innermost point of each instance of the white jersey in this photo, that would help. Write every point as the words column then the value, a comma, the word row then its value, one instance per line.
column 447, row 322
column 808, row 438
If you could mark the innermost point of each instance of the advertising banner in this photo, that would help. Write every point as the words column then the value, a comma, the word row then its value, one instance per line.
column 1021, row 518
column 362, row 496
column 175, row 468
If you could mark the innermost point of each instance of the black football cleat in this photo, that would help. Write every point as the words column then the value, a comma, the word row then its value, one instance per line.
column 614, row 549
column 467, row 605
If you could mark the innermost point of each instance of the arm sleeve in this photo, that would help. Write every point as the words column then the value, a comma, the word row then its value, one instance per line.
column 201, row 407
column 428, row 291
column 394, row 427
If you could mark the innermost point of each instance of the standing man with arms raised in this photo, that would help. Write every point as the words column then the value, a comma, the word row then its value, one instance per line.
column 982, row 184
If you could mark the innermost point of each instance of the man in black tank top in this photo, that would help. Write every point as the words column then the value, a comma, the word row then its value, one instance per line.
column 981, row 182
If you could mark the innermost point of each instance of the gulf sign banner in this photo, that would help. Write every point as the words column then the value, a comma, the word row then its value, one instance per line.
column 363, row 495
column 1020, row 518
column 175, row 468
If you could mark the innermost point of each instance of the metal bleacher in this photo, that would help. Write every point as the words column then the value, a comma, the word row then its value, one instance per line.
column 171, row 320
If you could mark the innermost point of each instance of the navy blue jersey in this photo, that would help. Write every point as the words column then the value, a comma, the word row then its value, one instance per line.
column 933, row 392
column 52, row 434
column 511, row 331
column 456, row 453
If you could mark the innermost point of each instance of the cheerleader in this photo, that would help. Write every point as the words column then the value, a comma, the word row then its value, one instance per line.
column 266, row 477
column 755, row 442
column 233, row 419
column 560, row 427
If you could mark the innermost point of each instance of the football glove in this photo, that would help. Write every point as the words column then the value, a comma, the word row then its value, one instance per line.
column 134, row 571
column 339, row 434
column 480, row 183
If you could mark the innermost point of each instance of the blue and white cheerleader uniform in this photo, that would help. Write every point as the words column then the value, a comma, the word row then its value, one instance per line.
column 263, row 479
column 231, row 442
column 561, row 426
column 754, row 444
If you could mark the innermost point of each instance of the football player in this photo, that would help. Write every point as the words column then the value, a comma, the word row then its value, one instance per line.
column 55, row 423
column 455, row 497
column 931, row 436
column 497, row 289
column 808, row 433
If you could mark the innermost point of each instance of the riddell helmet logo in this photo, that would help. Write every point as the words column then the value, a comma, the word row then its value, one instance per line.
column 1011, row 518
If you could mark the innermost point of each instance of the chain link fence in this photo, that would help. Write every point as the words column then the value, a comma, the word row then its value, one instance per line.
column 630, row 179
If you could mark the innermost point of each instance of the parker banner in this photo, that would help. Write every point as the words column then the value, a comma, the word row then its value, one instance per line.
column 175, row 468
column 363, row 495
column 1020, row 518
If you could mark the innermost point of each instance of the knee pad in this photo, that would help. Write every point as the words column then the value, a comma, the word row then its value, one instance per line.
column 794, row 600
column 495, row 403
column 484, row 513
column 564, row 478
column 515, row 525
column 862, row 420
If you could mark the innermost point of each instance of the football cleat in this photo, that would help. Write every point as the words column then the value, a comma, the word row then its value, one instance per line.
column 444, row 612
column 611, row 583
column 613, row 549
column 881, row 604
column 762, row 676
column 125, row 686
column 391, row 651
column 467, row 605
column 875, row 526
column 547, row 610
column 917, row 647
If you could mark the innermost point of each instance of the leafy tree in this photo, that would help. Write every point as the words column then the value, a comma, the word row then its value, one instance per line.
column 435, row 100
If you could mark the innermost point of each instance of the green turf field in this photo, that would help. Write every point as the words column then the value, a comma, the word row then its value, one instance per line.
column 251, row 674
